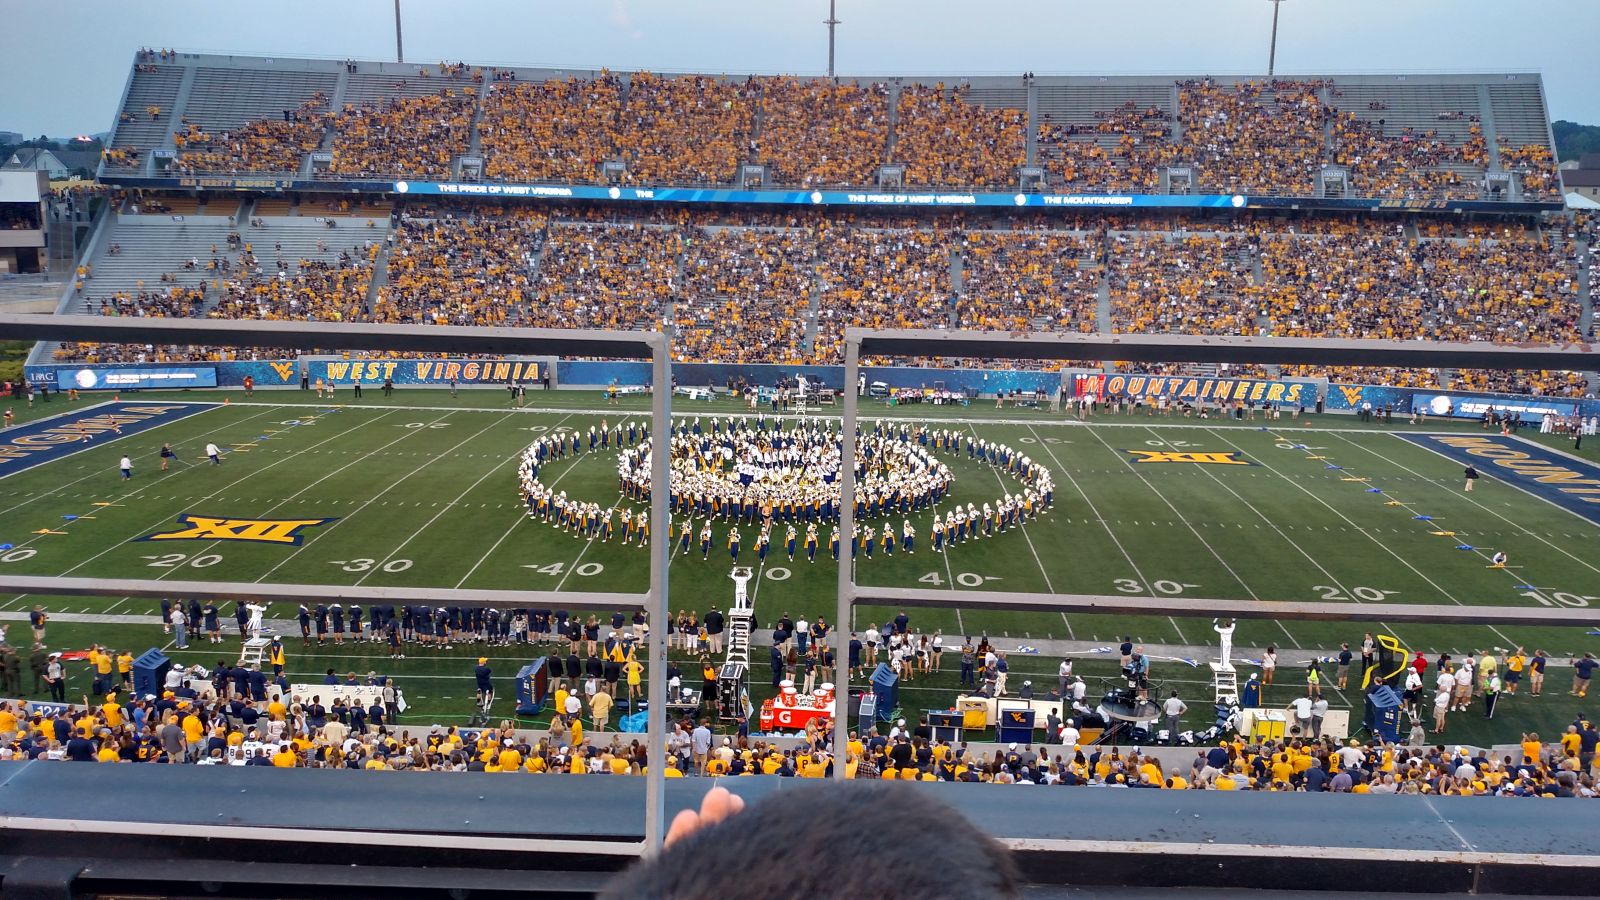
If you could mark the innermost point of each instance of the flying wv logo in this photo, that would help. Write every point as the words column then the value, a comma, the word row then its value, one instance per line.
column 261, row 531
column 285, row 370
column 1352, row 393
column 1204, row 457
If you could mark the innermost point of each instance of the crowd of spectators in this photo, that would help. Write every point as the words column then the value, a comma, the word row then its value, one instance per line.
column 1256, row 137
column 550, row 130
column 1188, row 284
column 462, row 267
column 746, row 295
column 606, row 276
column 945, row 139
column 264, row 145
column 1017, row 281
column 1250, row 137
column 240, row 716
column 309, row 290
column 1123, row 150
column 881, row 279
column 742, row 286
column 414, row 136
column 1535, row 168
column 1411, row 164
column 818, row 133
column 686, row 129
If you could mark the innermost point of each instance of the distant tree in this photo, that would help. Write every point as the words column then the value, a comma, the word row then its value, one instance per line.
column 1574, row 140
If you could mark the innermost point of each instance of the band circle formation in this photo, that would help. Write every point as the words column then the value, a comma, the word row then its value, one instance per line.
column 757, row 471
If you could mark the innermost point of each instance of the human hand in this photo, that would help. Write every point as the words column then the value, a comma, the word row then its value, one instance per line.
column 718, row 804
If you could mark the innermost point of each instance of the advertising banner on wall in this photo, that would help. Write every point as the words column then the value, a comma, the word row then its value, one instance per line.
column 1530, row 410
column 98, row 378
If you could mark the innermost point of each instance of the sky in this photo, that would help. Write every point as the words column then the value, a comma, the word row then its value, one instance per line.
column 63, row 64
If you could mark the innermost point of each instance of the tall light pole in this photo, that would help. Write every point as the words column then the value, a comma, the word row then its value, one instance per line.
column 399, row 47
column 831, row 22
column 1272, row 54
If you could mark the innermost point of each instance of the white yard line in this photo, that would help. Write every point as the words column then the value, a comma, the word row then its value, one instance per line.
column 442, row 510
column 99, row 474
column 1293, row 641
column 589, row 542
column 145, row 485
column 1188, row 524
column 219, row 491
column 521, row 514
column 1024, row 527
column 1489, row 509
column 1144, row 582
column 1367, row 534
column 374, row 498
column 102, row 440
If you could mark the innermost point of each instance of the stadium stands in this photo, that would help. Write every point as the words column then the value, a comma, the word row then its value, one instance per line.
column 1407, row 137
column 554, row 130
column 756, row 284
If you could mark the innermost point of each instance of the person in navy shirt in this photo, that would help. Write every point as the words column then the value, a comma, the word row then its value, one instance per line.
column 1582, row 670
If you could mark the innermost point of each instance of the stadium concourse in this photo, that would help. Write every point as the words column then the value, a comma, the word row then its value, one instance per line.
column 746, row 217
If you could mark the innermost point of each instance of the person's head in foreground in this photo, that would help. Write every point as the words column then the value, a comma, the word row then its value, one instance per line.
column 873, row 836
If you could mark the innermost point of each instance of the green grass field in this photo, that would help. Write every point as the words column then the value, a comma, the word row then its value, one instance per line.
column 421, row 490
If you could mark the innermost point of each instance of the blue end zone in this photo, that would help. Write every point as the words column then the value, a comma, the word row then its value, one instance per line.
column 47, row 440
column 1572, row 484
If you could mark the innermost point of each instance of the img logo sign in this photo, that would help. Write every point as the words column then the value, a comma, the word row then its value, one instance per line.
column 1203, row 457
column 261, row 531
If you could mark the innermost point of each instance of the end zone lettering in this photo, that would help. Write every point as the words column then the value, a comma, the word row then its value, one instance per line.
column 37, row 443
column 1572, row 484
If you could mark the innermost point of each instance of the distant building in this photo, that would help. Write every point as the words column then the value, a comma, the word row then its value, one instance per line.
column 10, row 137
column 1584, row 179
column 57, row 164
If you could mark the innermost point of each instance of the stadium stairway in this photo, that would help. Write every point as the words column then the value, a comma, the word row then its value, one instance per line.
column 1102, row 306
column 474, row 142
column 157, row 87
column 1585, row 266
column 957, row 284
column 813, row 309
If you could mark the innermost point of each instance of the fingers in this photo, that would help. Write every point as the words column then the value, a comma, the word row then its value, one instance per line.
column 683, row 824
column 718, row 804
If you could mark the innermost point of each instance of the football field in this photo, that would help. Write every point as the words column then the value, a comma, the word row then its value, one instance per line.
column 420, row 489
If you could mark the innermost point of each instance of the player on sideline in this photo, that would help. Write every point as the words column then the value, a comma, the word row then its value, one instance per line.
column 214, row 454
column 1498, row 561
column 166, row 456
column 1471, row 475
column 127, row 468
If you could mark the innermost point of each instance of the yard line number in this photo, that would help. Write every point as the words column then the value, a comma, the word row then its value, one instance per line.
column 1560, row 598
column 1370, row 595
column 586, row 570
column 1160, row 586
column 174, row 560
column 964, row 579
column 365, row 565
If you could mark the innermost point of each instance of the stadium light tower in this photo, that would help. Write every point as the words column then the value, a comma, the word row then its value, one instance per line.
column 399, row 48
column 831, row 22
column 1272, row 52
